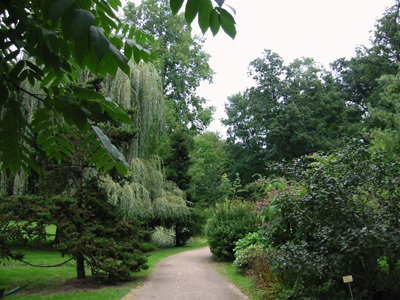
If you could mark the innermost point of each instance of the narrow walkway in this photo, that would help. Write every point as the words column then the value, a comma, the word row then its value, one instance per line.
column 186, row 276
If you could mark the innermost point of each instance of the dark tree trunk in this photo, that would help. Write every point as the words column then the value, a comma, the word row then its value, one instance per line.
column 179, row 236
column 80, row 261
column 57, row 237
column 80, row 267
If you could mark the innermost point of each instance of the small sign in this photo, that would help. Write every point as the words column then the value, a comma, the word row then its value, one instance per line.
column 347, row 279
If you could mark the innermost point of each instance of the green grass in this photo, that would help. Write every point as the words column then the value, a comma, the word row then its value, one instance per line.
column 244, row 283
column 45, row 283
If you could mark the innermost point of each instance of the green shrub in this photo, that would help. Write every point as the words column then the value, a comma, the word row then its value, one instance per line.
column 230, row 222
column 163, row 237
column 343, row 221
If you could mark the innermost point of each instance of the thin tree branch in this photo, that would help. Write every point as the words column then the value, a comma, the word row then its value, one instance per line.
column 25, row 91
column 42, row 266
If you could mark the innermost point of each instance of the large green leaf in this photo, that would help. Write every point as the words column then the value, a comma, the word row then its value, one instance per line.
column 191, row 10
column 115, row 111
column 204, row 14
column 214, row 22
column 59, row 7
column 92, row 148
column 115, row 4
column 121, row 168
column 44, row 136
column 74, row 114
column 99, row 41
column 81, row 22
column 87, row 140
column 175, row 5
column 17, row 69
column 109, row 146
column 227, row 22
column 120, row 58
column 106, row 14
column 108, row 65
column 102, row 161
column 109, row 166
column 85, row 93
column 99, row 154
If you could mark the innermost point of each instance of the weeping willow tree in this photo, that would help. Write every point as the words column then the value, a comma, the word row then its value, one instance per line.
column 143, row 194
column 140, row 94
column 146, row 194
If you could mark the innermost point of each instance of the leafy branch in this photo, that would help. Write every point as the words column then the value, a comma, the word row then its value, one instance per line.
column 208, row 15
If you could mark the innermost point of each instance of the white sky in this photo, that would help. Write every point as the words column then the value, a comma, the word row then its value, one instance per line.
column 320, row 29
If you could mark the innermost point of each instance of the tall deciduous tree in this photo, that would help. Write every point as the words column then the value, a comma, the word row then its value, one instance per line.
column 293, row 110
column 182, row 63
column 386, row 137
column 177, row 170
column 358, row 77
column 210, row 161
column 179, row 160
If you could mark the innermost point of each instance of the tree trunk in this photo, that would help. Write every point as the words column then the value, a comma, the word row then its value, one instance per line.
column 80, row 267
column 57, row 237
column 179, row 240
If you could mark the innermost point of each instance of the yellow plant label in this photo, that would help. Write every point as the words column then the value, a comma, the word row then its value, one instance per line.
column 347, row 279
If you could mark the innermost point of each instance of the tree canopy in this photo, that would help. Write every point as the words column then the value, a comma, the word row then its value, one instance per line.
column 292, row 110
column 51, row 42
column 182, row 64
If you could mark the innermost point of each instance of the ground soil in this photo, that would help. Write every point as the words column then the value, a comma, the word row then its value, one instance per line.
column 186, row 276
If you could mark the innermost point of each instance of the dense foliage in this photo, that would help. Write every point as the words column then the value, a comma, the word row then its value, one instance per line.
column 97, row 235
column 293, row 110
column 51, row 42
column 182, row 63
column 339, row 217
column 230, row 221
column 336, row 214
column 385, row 137
column 210, row 161
column 299, row 108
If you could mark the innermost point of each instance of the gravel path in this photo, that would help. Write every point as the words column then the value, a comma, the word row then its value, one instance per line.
column 186, row 276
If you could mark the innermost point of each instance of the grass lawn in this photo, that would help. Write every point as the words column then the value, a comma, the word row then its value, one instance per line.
column 246, row 284
column 61, row 283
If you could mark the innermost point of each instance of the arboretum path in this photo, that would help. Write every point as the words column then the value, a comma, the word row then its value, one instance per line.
column 186, row 276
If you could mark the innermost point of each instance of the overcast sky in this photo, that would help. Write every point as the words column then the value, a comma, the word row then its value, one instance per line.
column 320, row 29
